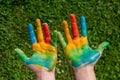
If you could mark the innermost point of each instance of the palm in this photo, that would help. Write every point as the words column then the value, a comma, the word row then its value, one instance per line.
column 78, row 50
column 47, row 55
column 44, row 54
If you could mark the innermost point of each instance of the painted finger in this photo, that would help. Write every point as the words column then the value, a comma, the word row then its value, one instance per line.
column 54, row 42
column 102, row 46
column 21, row 54
column 83, row 26
column 66, row 31
column 46, row 33
column 74, row 26
column 39, row 31
column 61, row 39
column 32, row 34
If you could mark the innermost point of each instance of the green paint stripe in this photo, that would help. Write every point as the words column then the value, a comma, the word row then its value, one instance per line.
column 102, row 46
column 62, row 39
column 21, row 54
column 54, row 42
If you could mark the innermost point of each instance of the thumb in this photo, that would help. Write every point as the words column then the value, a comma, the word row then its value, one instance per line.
column 21, row 54
column 102, row 46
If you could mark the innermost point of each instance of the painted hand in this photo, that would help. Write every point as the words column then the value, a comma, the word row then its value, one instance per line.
column 44, row 51
column 77, row 49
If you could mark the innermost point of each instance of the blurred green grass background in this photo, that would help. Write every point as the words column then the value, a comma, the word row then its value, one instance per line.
column 103, row 22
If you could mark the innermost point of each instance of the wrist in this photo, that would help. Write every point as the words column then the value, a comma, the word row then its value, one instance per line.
column 44, row 74
column 85, row 73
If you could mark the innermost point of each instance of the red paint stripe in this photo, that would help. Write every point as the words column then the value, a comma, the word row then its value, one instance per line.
column 46, row 33
column 74, row 26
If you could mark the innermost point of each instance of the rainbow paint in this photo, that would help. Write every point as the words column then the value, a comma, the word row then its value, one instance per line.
column 44, row 52
column 77, row 48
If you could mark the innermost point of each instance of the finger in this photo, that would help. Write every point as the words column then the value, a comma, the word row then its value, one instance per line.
column 39, row 31
column 74, row 26
column 66, row 31
column 83, row 26
column 31, row 33
column 102, row 46
column 54, row 43
column 61, row 39
column 46, row 33
column 21, row 54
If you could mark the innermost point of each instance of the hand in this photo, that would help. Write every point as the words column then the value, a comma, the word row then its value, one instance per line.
column 44, row 52
column 77, row 48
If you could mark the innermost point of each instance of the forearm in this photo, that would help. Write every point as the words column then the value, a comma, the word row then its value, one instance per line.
column 46, row 75
column 85, row 73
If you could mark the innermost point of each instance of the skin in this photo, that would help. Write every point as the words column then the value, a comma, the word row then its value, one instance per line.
column 80, row 55
column 44, row 58
column 77, row 50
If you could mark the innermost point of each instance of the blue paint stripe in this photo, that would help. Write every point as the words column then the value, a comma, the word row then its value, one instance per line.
column 83, row 26
column 31, row 33
column 94, row 58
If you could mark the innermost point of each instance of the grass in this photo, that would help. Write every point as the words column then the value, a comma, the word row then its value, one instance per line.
column 103, row 21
